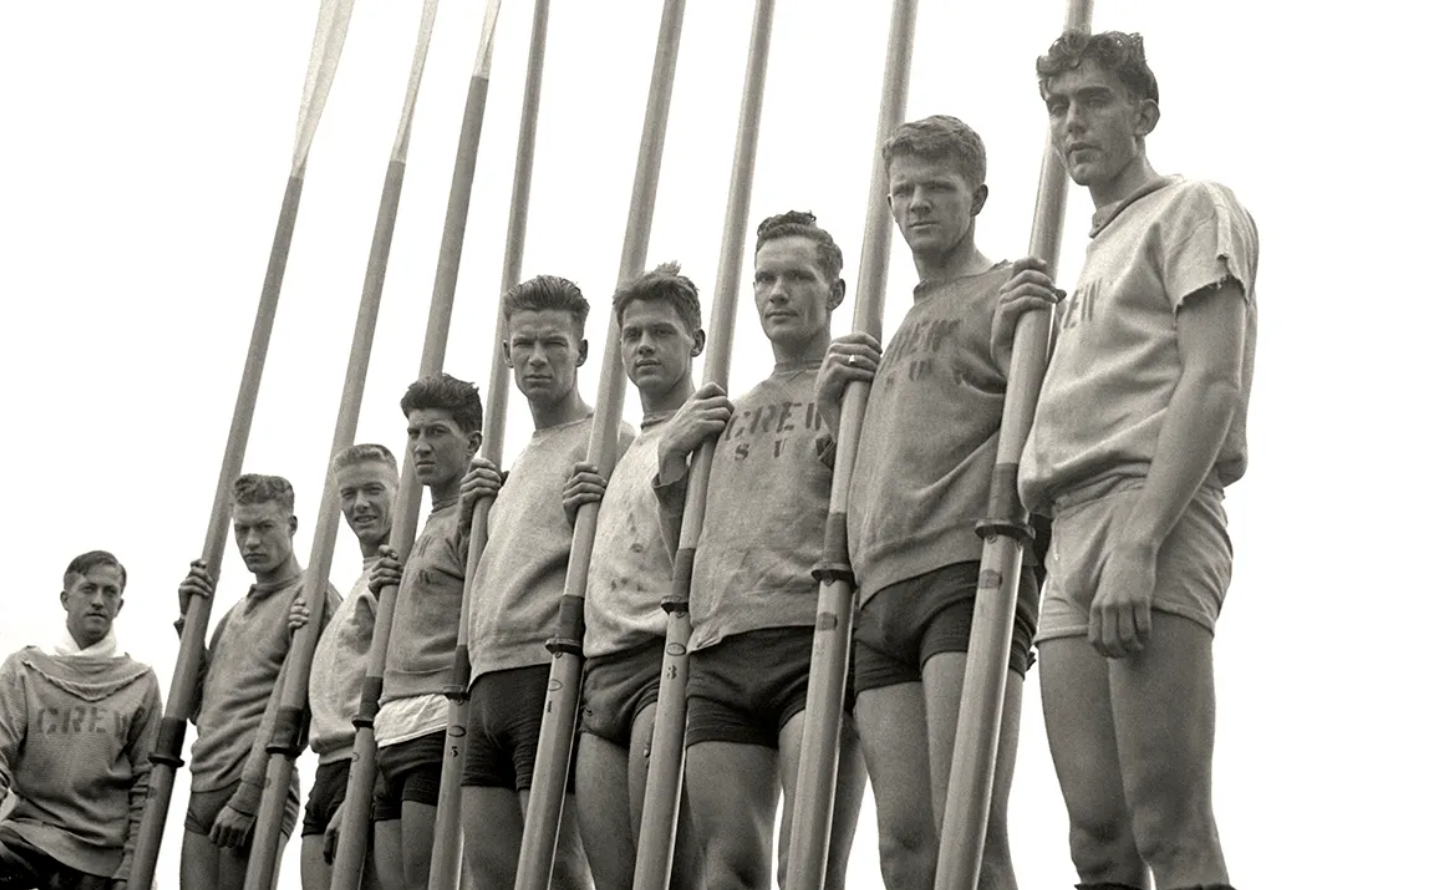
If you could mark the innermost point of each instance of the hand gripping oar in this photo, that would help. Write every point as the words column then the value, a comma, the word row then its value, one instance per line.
column 559, row 717
column 447, row 833
column 331, row 25
column 288, row 736
column 356, row 810
column 1006, row 533
column 813, row 793
column 664, row 788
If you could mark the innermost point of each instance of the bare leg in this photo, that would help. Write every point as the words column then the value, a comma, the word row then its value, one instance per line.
column 891, row 730
column 569, row 864
column 315, row 870
column 1075, row 689
column 604, row 811
column 1164, row 716
column 387, row 853
column 418, row 821
column 492, row 851
column 848, row 797
column 943, row 687
column 734, row 795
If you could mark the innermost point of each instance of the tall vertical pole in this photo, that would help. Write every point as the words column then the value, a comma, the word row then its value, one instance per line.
column 356, row 812
column 658, row 832
column 1006, row 533
column 559, row 717
column 447, row 833
column 331, row 27
column 288, row 736
column 823, row 718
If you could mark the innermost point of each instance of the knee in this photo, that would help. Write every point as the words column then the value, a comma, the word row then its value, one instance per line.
column 1166, row 833
column 724, row 870
column 907, row 858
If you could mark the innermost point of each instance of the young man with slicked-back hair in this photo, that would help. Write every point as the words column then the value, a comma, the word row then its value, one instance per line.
column 515, row 596
column 365, row 477
column 240, row 688
column 926, row 456
column 77, row 724
column 754, row 600
column 444, row 430
column 660, row 328
column 1139, row 429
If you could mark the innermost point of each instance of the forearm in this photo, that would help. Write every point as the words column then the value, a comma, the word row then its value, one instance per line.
column 671, row 498
column 1196, row 423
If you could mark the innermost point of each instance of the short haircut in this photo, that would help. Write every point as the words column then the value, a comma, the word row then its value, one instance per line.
column 89, row 560
column 362, row 453
column 445, row 392
column 803, row 224
column 940, row 137
column 1115, row 51
column 546, row 292
column 254, row 488
column 665, row 284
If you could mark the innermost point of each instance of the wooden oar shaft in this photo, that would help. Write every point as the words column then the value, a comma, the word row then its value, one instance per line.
column 559, row 719
column 663, row 792
column 180, row 703
column 1006, row 533
column 447, row 831
column 815, row 787
column 288, row 733
column 356, row 813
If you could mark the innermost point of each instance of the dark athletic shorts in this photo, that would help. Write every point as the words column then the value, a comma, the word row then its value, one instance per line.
column 410, row 770
column 906, row 624
column 504, row 721
column 746, row 688
column 617, row 687
column 328, row 790
column 24, row 866
column 205, row 806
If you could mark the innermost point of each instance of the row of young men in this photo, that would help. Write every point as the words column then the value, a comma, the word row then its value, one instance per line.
column 1140, row 425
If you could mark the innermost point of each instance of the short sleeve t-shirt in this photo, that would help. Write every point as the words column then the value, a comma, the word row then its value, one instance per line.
column 768, row 494
column 1116, row 361
column 630, row 569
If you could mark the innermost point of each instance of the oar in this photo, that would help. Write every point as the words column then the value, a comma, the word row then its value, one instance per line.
column 356, row 810
column 818, row 761
column 658, row 832
column 559, row 718
column 331, row 25
column 447, row 833
column 1006, row 533
column 288, row 736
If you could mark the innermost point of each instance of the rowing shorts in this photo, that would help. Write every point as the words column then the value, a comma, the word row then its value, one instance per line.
column 204, row 806
column 1191, row 573
column 408, row 771
column 904, row 625
column 617, row 687
column 328, row 790
column 746, row 688
column 504, row 723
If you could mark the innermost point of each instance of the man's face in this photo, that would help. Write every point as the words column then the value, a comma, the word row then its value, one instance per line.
column 543, row 349
column 263, row 534
column 440, row 447
column 366, row 491
column 1094, row 123
column 932, row 202
column 92, row 600
column 793, row 295
column 657, row 346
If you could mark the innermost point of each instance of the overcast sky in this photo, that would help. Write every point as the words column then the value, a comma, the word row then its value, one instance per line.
column 148, row 144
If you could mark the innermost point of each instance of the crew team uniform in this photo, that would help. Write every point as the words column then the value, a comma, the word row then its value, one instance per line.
column 754, row 600
column 338, row 667
column 1115, row 366
column 921, row 481
column 240, row 693
column 411, row 725
column 514, row 607
column 76, row 732
column 628, row 576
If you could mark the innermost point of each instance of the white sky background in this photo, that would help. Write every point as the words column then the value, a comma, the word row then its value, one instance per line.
column 147, row 146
